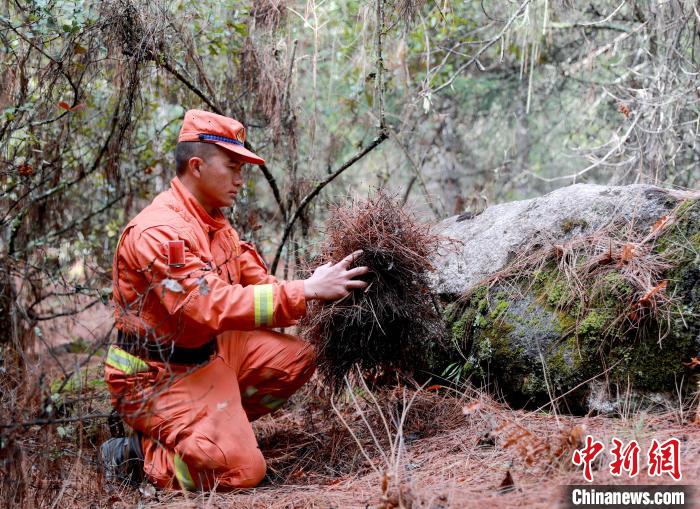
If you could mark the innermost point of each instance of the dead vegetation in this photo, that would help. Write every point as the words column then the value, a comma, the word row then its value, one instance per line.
column 455, row 449
column 393, row 324
column 402, row 446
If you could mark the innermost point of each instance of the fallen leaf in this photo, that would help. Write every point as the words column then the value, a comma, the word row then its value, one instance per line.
column 646, row 298
column 627, row 253
column 659, row 224
column 558, row 250
column 297, row 474
column 624, row 109
column 576, row 434
column 471, row 408
column 570, row 440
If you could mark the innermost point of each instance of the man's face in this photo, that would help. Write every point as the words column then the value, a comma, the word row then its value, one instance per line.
column 220, row 179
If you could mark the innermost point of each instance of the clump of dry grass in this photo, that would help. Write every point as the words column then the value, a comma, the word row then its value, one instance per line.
column 393, row 324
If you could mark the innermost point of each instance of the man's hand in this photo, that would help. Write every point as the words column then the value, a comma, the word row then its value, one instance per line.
column 332, row 282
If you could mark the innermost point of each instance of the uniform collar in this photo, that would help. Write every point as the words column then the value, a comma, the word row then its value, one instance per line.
column 207, row 221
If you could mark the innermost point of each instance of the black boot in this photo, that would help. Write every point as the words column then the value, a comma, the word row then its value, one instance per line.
column 122, row 460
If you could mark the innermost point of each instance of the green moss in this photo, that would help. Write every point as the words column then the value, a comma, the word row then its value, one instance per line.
column 655, row 364
column 695, row 241
column 551, row 288
column 568, row 224
column 594, row 324
column 491, row 330
column 614, row 292
column 459, row 329
column 684, row 207
column 499, row 309
column 533, row 383
column 558, row 294
column 80, row 345
column 615, row 283
column 566, row 320
column 650, row 366
column 460, row 326
column 685, row 231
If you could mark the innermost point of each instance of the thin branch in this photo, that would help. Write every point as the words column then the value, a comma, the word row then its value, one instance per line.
column 486, row 46
column 272, row 182
column 161, row 61
column 71, row 312
column 408, row 190
column 595, row 164
column 562, row 25
column 56, row 233
column 48, row 422
column 380, row 64
column 309, row 197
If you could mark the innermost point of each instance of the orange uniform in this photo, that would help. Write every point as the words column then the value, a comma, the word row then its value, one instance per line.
column 195, row 419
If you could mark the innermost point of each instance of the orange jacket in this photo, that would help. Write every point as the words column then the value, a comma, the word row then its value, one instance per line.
column 223, row 284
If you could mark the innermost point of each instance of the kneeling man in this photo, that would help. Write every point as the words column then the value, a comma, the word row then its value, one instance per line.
column 195, row 360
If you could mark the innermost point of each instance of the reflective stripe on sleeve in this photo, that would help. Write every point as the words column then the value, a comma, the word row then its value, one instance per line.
column 124, row 361
column 182, row 473
column 262, row 295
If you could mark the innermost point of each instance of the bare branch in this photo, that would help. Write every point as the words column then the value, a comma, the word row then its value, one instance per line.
column 309, row 197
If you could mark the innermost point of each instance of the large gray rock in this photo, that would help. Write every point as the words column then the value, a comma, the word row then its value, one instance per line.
column 487, row 242
column 531, row 337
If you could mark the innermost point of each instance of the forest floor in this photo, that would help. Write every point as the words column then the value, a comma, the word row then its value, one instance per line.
column 403, row 446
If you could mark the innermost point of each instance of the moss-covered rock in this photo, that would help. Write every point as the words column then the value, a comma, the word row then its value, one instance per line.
column 533, row 338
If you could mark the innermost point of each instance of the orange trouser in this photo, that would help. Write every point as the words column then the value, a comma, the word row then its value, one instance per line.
column 195, row 421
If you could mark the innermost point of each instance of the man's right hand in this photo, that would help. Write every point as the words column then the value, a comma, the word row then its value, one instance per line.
column 333, row 282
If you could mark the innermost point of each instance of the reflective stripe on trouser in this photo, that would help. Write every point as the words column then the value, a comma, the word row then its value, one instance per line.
column 267, row 400
column 195, row 422
column 182, row 473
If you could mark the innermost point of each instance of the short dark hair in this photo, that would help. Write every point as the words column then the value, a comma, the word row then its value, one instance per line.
column 185, row 150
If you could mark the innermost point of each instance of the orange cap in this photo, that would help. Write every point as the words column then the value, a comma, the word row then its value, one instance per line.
column 225, row 132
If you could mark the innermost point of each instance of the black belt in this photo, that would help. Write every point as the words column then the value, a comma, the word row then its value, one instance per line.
column 153, row 351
